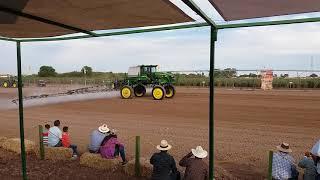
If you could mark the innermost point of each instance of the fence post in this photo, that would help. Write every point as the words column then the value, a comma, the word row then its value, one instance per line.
column 41, row 146
column 270, row 165
column 137, row 160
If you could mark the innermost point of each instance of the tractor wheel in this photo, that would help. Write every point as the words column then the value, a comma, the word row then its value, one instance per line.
column 14, row 85
column 170, row 91
column 139, row 90
column 5, row 84
column 126, row 92
column 158, row 92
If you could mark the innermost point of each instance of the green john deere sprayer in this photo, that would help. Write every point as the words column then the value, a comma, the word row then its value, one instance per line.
column 8, row 81
column 143, row 76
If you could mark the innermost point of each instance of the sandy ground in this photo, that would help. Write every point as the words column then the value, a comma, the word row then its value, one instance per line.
column 247, row 123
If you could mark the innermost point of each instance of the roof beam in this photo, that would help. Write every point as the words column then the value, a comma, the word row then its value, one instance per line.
column 268, row 23
column 199, row 11
column 43, row 20
column 117, row 33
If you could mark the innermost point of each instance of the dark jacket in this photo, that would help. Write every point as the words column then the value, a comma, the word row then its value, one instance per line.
column 195, row 168
column 163, row 166
column 310, row 171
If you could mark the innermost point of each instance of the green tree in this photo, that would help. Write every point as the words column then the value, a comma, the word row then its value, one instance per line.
column 47, row 71
column 313, row 75
column 86, row 70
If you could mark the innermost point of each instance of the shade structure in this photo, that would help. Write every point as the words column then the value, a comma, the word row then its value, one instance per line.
column 247, row 9
column 84, row 14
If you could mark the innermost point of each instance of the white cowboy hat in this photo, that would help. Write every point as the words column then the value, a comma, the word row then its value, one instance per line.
column 164, row 146
column 284, row 147
column 199, row 152
column 104, row 128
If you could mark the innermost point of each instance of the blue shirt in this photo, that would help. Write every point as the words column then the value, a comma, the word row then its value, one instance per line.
column 95, row 140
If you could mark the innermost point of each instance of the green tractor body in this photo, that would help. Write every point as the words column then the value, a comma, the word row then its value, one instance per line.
column 143, row 76
column 8, row 81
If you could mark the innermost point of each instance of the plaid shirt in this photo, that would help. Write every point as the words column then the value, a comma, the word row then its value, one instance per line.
column 281, row 166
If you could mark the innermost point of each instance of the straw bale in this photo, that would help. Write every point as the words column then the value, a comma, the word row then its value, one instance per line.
column 2, row 140
column 96, row 161
column 56, row 153
column 145, row 167
column 13, row 144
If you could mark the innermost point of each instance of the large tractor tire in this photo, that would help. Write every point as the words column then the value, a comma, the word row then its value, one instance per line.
column 5, row 84
column 126, row 92
column 139, row 90
column 14, row 85
column 158, row 92
column 170, row 91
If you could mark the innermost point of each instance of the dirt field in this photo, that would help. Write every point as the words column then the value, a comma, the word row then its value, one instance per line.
column 247, row 124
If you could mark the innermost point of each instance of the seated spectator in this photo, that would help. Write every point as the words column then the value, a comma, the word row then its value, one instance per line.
column 67, row 143
column 45, row 134
column 164, row 165
column 112, row 148
column 307, row 163
column 283, row 166
column 97, row 137
column 55, row 135
column 196, row 168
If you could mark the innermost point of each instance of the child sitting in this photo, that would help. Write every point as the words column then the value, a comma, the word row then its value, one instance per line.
column 310, row 171
column 45, row 134
column 66, row 142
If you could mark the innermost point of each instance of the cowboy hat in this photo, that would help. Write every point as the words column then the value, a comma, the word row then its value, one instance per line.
column 284, row 147
column 104, row 128
column 164, row 146
column 199, row 152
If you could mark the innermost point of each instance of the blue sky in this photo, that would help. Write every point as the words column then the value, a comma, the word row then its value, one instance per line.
column 277, row 47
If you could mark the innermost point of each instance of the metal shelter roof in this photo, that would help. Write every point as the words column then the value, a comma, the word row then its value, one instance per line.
column 47, row 18
column 247, row 9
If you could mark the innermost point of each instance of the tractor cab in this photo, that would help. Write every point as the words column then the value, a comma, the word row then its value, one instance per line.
column 142, row 70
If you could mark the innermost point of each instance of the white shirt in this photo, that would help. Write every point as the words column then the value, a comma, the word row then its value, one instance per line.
column 54, row 136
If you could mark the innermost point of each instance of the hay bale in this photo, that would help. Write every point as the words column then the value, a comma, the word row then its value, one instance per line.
column 56, row 153
column 2, row 140
column 145, row 167
column 13, row 144
column 96, row 161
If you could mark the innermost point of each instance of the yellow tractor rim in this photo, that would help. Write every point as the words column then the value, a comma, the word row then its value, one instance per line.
column 170, row 93
column 5, row 84
column 14, row 85
column 126, row 93
column 157, row 93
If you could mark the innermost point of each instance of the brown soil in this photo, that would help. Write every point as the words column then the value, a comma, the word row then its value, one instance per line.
column 247, row 124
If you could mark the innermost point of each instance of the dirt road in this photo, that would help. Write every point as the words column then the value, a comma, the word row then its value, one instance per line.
column 247, row 124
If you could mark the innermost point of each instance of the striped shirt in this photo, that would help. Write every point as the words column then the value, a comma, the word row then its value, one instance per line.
column 45, row 138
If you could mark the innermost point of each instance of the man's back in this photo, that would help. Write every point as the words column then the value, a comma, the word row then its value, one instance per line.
column 281, row 166
column 163, row 165
column 95, row 140
column 54, row 136
column 195, row 169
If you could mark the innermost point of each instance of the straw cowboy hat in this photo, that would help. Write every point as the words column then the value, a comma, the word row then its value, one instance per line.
column 284, row 147
column 164, row 146
column 199, row 152
column 104, row 128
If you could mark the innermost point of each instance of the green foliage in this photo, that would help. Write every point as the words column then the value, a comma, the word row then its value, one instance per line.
column 47, row 71
column 86, row 70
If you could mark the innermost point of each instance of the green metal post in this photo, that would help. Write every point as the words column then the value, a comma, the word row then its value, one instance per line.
column 137, row 162
column 23, row 152
column 41, row 146
column 270, row 165
column 213, row 39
